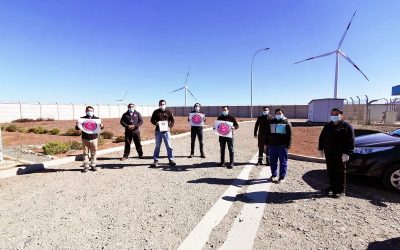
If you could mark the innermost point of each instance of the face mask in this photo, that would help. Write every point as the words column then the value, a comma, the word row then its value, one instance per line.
column 197, row 109
column 279, row 117
column 265, row 112
column 89, row 113
column 162, row 107
column 335, row 118
column 131, row 110
column 225, row 113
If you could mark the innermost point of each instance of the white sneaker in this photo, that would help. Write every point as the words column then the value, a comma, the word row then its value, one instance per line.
column 274, row 178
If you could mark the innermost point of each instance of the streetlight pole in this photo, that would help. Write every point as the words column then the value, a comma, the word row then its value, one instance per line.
column 251, row 82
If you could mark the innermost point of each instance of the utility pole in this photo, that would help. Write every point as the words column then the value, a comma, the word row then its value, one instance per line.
column 1, row 148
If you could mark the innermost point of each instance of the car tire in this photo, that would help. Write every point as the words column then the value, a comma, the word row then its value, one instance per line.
column 391, row 178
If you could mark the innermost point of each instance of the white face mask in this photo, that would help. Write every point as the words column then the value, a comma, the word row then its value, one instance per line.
column 89, row 113
column 265, row 112
column 197, row 109
column 162, row 107
column 131, row 110
column 335, row 118
column 279, row 117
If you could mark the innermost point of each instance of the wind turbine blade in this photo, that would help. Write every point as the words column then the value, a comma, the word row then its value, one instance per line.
column 118, row 100
column 126, row 92
column 345, row 32
column 326, row 54
column 355, row 66
column 177, row 90
column 191, row 94
column 187, row 76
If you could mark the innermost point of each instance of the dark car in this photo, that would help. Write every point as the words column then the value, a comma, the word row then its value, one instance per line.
column 378, row 155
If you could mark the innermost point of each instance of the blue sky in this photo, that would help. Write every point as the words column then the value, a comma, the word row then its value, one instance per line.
column 92, row 51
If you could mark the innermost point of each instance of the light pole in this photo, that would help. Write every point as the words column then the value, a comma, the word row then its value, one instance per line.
column 251, row 82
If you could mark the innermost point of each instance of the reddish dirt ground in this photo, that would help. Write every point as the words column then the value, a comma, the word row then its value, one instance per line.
column 304, row 138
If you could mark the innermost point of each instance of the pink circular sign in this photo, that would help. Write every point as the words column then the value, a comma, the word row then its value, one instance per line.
column 224, row 129
column 89, row 125
column 196, row 119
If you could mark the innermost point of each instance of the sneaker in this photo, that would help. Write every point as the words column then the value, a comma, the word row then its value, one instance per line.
column 140, row 156
column 85, row 168
column 123, row 158
column 93, row 168
column 155, row 164
column 338, row 196
column 202, row 156
column 326, row 191
column 231, row 165
column 172, row 163
column 281, row 179
column 274, row 178
column 259, row 162
column 221, row 164
column 191, row 156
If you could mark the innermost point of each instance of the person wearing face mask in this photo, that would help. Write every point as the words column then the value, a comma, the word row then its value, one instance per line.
column 279, row 137
column 89, row 142
column 261, row 126
column 163, row 114
column 131, row 120
column 196, row 131
column 226, row 140
column 336, row 143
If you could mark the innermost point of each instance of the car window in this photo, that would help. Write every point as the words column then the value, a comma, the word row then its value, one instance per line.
column 396, row 132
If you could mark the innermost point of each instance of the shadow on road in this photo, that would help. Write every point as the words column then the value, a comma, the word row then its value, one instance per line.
column 390, row 244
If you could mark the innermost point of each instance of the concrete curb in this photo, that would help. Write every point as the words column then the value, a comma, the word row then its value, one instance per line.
column 306, row 158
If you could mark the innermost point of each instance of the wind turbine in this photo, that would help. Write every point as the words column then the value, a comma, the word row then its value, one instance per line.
column 338, row 53
column 123, row 100
column 186, row 88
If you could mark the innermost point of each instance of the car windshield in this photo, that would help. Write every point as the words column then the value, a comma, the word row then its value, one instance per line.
column 395, row 132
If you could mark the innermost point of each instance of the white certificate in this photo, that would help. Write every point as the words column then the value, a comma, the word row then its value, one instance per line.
column 89, row 126
column 196, row 119
column 163, row 126
column 223, row 128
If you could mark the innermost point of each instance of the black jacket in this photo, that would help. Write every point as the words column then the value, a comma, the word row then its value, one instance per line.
column 134, row 119
column 337, row 138
column 160, row 115
column 87, row 136
column 280, row 133
column 262, row 124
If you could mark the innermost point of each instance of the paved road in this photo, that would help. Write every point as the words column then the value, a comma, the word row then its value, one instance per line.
column 126, row 205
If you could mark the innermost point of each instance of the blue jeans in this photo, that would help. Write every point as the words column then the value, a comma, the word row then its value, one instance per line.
column 278, row 152
column 166, row 136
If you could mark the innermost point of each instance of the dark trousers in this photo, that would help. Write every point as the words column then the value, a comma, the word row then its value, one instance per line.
column 262, row 142
column 336, row 172
column 136, row 139
column 278, row 152
column 196, row 131
column 222, row 142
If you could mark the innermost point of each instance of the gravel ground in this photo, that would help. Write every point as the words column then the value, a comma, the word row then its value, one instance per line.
column 126, row 205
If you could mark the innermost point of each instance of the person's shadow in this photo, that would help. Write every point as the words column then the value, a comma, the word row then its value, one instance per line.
column 390, row 244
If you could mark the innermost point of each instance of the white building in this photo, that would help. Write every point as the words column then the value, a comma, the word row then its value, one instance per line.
column 319, row 110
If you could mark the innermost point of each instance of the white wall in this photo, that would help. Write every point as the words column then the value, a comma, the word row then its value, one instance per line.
column 13, row 111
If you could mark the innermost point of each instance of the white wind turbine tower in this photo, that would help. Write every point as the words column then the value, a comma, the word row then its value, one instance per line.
column 186, row 88
column 123, row 99
column 338, row 53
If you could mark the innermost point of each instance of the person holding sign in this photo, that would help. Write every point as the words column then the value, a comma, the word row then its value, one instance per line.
column 131, row 120
column 90, row 126
column 196, row 120
column 164, row 120
column 261, row 126
column 224, row 129
column 279, row 138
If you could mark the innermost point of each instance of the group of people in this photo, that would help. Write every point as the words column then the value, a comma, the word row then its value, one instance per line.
column 273, row 133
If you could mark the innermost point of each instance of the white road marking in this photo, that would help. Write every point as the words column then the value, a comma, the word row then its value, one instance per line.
column 201, row 233
column 244, row 230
